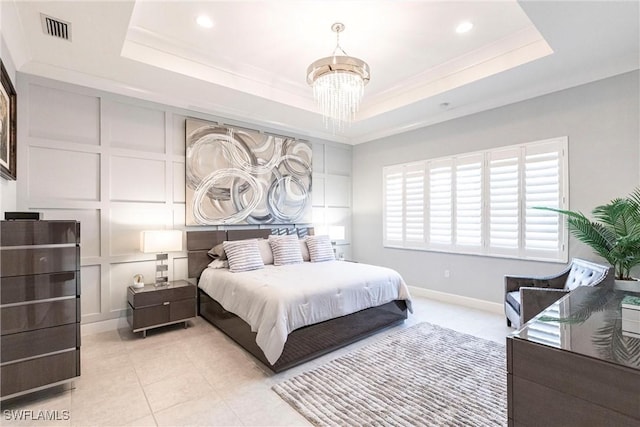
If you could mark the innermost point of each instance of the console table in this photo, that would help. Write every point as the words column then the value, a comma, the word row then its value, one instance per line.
column 573, row 365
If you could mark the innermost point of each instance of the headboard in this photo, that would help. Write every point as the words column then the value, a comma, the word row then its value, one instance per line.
column 199, row 242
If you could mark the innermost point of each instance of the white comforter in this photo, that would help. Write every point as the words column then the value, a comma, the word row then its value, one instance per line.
column 278, row 300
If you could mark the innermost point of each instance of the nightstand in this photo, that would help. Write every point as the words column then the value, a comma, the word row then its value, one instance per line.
column 152, row 307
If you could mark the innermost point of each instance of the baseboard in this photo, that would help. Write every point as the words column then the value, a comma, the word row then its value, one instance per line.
column 121, row 322
column 457, row 299
column 103, row 326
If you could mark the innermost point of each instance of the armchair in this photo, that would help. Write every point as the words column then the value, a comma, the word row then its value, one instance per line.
column 525, row 297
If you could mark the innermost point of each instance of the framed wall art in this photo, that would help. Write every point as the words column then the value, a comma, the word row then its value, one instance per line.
column 241, row 176
column 8, row 125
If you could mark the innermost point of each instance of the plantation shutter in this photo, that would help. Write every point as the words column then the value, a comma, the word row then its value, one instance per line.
column 543, row 182
column 393, row 205
column 414, row 204
column 440, row 202
column 468, row 206
column 481, row 203
column 504, row 193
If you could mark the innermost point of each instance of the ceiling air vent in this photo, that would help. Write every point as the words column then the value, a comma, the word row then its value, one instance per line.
column 56, row 27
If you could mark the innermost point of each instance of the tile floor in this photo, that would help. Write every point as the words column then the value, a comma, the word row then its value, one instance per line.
column 197, row 376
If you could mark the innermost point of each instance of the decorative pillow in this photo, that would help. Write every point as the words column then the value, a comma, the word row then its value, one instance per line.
column 243, row 255
column 305, row 250
column 265, row 251
column 218, row 263
column 217, row 252
column 286, row 249
column 320, row 248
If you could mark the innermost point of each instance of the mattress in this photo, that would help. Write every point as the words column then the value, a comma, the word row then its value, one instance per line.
column 277, row 300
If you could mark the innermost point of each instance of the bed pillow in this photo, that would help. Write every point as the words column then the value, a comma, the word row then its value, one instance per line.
column 305, row 250
column 265, row 251
column 320, row 248
column 218, row 263
column 243, row 255
column 286, row 249
column 217, row 252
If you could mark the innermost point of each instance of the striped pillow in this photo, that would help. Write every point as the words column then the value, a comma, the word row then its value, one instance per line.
column 320, row 248
column 286, row 249
column 243, row 255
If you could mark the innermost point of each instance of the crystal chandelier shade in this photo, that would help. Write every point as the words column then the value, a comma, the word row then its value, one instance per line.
column 338, row 84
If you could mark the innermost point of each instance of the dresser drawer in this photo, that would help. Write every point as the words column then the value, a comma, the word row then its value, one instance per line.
column 33, row 373
column 21, row 262
column 41, row 341
column 42, row 286
column 26, row 317
column 28, row 233
column 595, row 381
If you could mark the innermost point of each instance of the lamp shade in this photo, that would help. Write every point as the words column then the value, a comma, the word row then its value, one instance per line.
column 336, row 232
column 161, row 241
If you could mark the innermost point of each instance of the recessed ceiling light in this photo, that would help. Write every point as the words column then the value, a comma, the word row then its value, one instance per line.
column 204, row 21
column 464, row 27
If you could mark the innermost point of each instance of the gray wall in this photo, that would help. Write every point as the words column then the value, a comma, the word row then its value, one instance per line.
column 601, row 120
column 117, row 164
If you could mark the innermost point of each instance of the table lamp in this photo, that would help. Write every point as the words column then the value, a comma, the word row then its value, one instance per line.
column 160, row 242
column 336, row 232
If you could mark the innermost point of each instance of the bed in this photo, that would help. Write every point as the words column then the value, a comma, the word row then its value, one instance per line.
column 302, row 343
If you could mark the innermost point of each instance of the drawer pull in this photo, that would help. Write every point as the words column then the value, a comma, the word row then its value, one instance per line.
column 165, row 303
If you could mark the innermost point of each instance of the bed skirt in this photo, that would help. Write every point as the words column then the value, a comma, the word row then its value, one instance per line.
column 310, row 341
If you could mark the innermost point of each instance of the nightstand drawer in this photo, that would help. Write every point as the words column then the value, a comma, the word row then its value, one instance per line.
column 183, row 309
column 149, row 316
column 145, row 299
column 184, row 292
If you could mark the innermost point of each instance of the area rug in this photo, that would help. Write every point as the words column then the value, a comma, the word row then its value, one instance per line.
column 424, row 375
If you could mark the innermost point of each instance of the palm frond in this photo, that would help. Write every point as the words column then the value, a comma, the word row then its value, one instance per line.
column 614, row 234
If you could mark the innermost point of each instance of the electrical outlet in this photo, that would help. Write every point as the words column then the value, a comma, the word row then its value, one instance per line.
column 447, row 274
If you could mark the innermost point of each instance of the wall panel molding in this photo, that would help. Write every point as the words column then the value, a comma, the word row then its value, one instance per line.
column 136, row 149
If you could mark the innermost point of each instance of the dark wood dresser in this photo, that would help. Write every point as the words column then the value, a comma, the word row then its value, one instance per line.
column 39, row 305
column 574, row 365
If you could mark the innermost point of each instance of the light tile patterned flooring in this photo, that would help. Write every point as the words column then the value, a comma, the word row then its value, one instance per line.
column 197, row 376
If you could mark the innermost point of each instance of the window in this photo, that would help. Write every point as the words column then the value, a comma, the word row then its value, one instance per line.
column 481, row 203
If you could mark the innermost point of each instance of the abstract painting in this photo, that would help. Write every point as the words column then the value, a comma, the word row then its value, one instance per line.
column 240, row 176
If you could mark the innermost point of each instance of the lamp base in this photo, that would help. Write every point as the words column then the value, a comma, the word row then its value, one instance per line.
column 161, row 270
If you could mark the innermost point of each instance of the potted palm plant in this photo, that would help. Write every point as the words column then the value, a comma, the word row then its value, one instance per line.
column 614, row 234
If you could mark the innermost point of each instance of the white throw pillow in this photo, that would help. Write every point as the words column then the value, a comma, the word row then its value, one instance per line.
column 320, row 248
column 218, row 263
column 265, row 251
column 286, row 249
column 305, row 250
column 243, row 255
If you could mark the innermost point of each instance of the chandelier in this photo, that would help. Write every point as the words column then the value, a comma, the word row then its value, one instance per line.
column 338, row 84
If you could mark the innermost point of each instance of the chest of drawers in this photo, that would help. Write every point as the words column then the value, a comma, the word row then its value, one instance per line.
column 39, row 305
